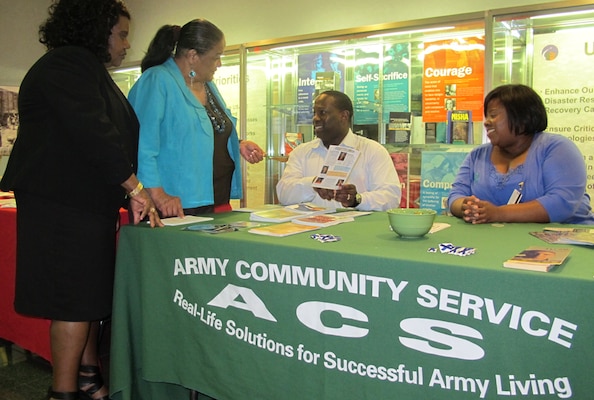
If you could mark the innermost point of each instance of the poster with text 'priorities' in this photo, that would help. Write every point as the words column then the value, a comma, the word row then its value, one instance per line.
column 227, row 81
column 563, row 64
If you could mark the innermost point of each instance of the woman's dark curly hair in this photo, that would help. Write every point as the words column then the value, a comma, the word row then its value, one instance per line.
column 84, row 23
column 526, row 113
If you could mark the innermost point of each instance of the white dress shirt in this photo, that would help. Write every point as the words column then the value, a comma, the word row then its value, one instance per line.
column 373, row 174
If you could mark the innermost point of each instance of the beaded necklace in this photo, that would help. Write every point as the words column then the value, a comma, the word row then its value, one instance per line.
column 214, row 112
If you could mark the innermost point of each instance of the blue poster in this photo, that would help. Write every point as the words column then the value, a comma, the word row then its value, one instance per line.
column 438, row 172
column 367, row 96
column 310, row 68
column 395, row 78
column 396, row 71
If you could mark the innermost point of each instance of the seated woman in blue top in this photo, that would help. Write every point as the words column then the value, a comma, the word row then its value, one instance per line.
column 189, row 151
column 524, row 174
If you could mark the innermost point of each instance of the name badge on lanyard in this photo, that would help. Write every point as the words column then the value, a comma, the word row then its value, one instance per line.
column 516, row 195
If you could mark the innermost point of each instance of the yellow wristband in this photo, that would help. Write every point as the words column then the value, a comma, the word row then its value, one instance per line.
column 136, row 190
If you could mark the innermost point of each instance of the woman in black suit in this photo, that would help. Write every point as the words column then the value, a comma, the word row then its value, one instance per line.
column 72, row 167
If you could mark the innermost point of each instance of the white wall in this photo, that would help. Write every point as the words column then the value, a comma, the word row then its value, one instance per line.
column 242, row 21
column 19, row 45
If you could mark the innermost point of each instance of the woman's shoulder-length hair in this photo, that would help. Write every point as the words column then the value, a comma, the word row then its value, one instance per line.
column 526, row 112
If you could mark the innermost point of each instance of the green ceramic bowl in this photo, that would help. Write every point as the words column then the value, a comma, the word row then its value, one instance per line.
column 411, row 222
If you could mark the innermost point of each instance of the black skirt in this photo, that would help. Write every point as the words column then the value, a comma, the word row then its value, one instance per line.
column 65, row 261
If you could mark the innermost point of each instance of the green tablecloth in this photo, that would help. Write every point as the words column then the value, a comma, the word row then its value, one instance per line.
column 243, row 316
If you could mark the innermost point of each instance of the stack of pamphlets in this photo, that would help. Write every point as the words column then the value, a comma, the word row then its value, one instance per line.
column 323, row 220
column 282, row 229
column 288, row 213
column 300, row 218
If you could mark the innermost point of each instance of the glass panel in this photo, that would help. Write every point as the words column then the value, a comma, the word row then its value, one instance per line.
column 513, row 40
column 552, row 51
column 382, row 72
column 125, row 77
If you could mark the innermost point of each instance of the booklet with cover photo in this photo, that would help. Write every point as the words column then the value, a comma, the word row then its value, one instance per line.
column 538, row 258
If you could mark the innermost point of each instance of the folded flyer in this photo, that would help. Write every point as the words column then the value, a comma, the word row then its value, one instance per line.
column 336, row 168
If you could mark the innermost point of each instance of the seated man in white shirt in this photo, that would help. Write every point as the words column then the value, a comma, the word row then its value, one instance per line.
column 372, row 185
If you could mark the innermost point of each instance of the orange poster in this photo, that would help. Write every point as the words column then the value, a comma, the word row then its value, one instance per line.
column 453, row 77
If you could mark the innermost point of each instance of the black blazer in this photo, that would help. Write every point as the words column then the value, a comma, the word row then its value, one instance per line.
column 78, row 135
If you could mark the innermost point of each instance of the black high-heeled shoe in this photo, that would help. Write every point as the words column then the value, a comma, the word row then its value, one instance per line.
column 61, row 395
column 91, row 383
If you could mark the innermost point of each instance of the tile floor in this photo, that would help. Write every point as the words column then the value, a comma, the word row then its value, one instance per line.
column 29, row 376
column 26, row 378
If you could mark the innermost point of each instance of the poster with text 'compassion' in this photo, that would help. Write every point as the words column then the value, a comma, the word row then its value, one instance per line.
column 453, row 77
column 563, row 62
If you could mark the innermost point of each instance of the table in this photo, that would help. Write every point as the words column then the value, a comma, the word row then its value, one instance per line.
column 242, row 316
column 29, row 333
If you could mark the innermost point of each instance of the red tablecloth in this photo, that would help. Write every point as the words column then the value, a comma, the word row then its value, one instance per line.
column 29, row 333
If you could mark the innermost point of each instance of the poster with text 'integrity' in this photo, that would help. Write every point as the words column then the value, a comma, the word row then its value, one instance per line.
column 453, row 77
column 312, row 69
column 563, row 64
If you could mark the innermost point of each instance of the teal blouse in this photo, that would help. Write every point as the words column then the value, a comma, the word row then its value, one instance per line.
column 176, row 143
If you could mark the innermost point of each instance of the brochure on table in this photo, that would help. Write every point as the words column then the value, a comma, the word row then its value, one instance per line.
column 188, row 219
column 283, row 229
column 323, row 220
column 579, row 236
column 288, row 213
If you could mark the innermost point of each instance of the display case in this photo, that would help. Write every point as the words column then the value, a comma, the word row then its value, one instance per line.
column 384, row 72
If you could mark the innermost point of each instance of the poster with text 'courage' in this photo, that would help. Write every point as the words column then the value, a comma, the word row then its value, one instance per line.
column 453, row 77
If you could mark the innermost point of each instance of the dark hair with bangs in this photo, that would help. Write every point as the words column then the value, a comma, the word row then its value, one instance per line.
column 84, row 23
column 526, row 112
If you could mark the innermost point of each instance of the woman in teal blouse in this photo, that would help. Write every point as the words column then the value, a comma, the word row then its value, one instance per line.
column 189, row 150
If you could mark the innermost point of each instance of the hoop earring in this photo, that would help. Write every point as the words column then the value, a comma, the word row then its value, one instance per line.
column 192, row 75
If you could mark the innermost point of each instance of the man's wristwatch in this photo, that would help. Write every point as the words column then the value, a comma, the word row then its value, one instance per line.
column 357, row 199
